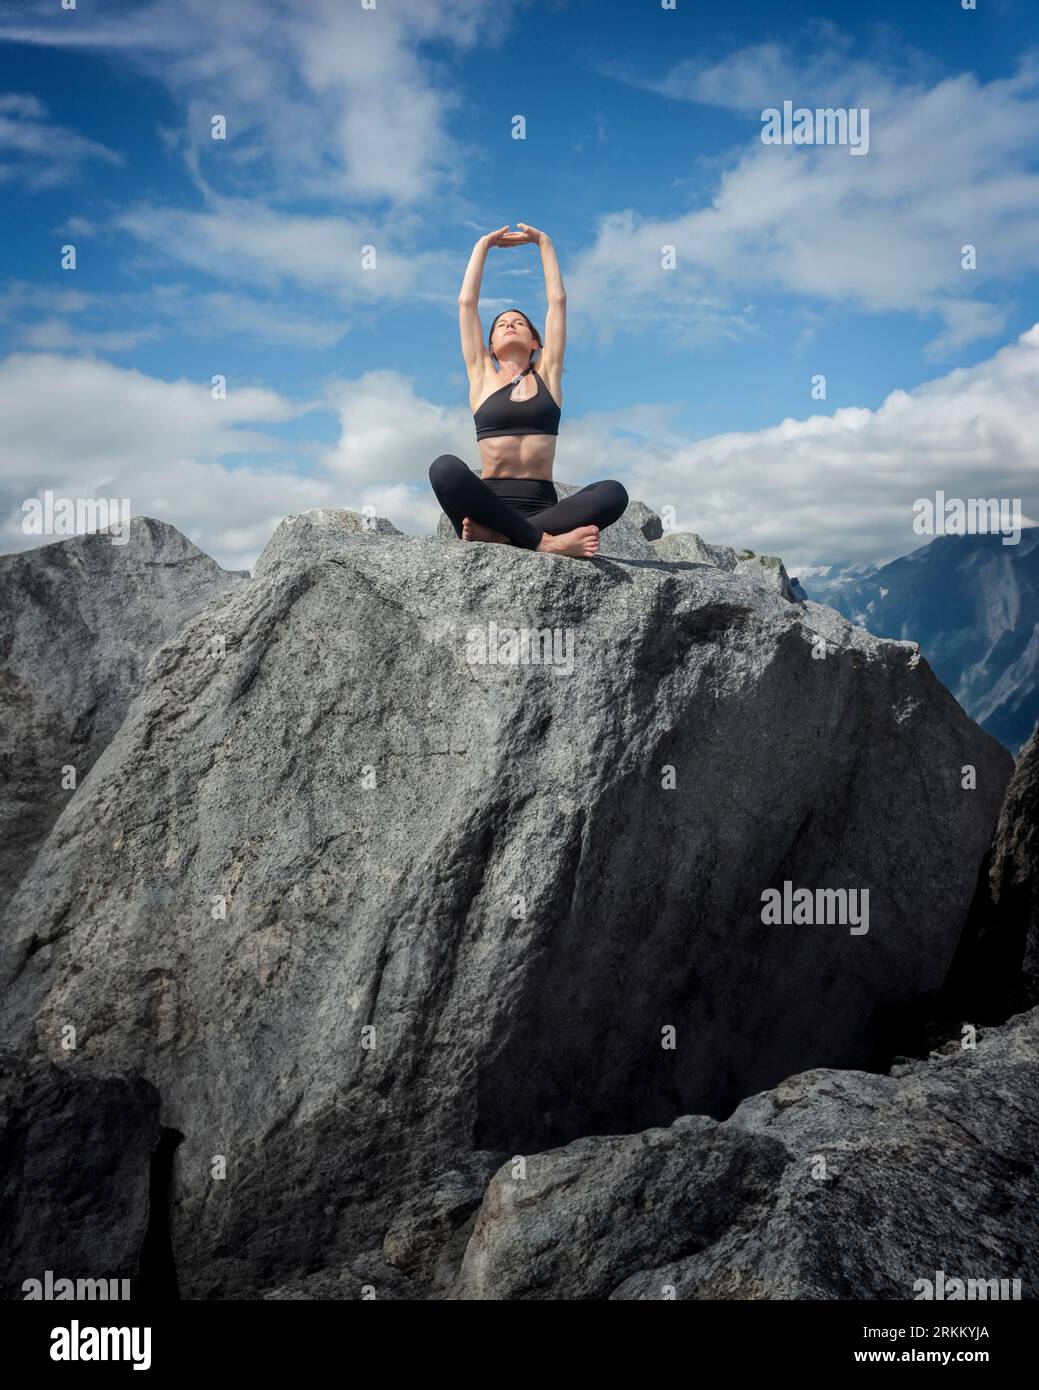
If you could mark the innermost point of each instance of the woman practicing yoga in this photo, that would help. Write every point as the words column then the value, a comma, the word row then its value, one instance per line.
column 517, row 433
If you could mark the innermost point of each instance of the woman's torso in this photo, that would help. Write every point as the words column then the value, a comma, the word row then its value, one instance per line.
column 517, row 455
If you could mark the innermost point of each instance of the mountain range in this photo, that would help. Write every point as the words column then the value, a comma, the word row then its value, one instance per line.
column 972, row 604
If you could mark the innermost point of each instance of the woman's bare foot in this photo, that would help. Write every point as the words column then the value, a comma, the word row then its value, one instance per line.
column 583, row 543
column 473, row 531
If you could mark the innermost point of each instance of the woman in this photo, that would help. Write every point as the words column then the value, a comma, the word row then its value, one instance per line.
column 513, row 501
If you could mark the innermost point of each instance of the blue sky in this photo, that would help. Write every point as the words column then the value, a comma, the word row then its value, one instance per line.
column 393, row 128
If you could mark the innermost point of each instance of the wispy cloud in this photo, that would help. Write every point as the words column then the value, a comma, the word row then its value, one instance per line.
column 245, row 242
column 36, row 153
column 951, row 163
column 324, row 100
column 45, row 317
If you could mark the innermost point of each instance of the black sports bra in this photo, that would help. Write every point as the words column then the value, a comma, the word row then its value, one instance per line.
column 537, row 415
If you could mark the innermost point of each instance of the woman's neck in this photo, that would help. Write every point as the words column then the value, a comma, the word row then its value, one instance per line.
column 510, row 370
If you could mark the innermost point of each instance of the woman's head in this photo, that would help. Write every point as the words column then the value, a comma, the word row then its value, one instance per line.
column 512, row 328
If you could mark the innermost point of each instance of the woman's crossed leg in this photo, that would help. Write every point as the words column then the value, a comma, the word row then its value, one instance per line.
column 568, row 527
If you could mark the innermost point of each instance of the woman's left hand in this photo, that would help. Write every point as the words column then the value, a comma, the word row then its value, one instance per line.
column 532, row 233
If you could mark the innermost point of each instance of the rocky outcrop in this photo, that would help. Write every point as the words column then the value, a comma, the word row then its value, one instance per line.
column 381, row 881
column 687, row 545
column 78, row 622
column 766, row 570
column 76, row 1155
column 769, row 571
column 996, row 968
column 310, row 534
column 639, row 535
column 834, row 1185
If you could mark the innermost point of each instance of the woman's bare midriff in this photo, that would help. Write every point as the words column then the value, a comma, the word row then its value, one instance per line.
column 518, row 456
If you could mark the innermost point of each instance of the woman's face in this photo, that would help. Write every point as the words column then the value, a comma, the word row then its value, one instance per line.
column 513, row 328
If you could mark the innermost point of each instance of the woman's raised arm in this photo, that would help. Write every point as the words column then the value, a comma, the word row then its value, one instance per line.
column 473, row 349
column 469, row 325
column 555, row 293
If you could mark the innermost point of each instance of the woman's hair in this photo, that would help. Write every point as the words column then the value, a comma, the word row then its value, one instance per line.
column 534, row 333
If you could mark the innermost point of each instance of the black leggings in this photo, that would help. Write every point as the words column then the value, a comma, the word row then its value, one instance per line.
column 504, row 504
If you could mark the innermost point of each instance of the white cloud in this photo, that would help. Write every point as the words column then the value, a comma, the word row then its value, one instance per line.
column 157, row 311
column 326, row 102
column 38, row 154
column 323, row 100
column 85, row 428
column 389, row 433
column 840, row 488
column 950, row 163
column 244, row 241
column 57, row 335
column 835, row 488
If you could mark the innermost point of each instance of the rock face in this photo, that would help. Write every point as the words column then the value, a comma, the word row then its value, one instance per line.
column 835, row 1185
column 639, row 535
column 75, row 1174
column 687, row 545
column 996, row 968
column 769, row 571
column 78, row 622
column 766, row 570
column 376, row 890
column 320, row 529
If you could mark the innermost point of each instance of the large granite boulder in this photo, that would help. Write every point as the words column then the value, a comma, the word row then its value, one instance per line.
column 378, row 881
column 834, row 1185
column 78, row 622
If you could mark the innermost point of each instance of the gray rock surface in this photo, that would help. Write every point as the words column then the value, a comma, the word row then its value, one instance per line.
column 78, row 622
column 688, row 546
column 368, row 1278
column 766, row 570
column 641, row 516
column 428, row 1235
column 316, row 531
column 639, row 535
column 358, row 903
column 834, row 1185
column 770, row 572
column 1014, row 869
column 75, row 1160
column 996, row 968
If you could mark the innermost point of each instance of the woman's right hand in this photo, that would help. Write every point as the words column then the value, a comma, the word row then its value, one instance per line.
column 503, row 237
